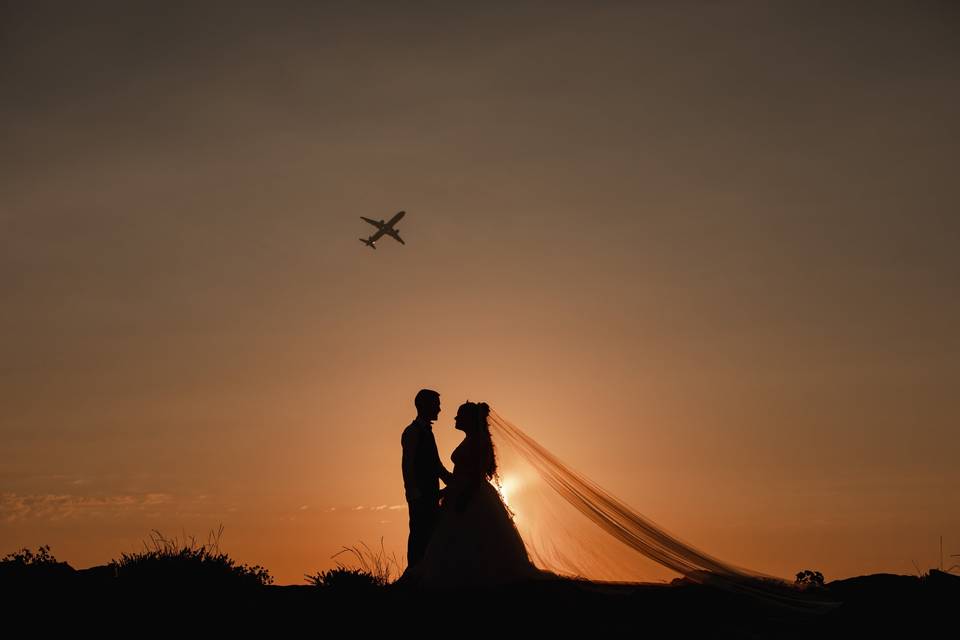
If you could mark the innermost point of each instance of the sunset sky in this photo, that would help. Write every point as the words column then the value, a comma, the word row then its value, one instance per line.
column 705, row 252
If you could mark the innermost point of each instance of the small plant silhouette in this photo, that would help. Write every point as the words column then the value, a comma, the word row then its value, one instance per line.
column 808, row 578
column 344, row 579
column 24, row 567
column 376, row 569
column 27, row 557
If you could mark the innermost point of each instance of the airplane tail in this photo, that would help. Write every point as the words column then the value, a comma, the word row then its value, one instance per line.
column 368, row 242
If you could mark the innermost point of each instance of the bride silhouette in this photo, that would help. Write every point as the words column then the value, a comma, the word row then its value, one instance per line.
column 475, row 542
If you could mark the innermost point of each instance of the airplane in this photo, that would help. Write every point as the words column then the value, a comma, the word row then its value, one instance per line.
column 383, row 228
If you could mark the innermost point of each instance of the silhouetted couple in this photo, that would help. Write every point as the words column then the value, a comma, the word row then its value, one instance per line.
column 463, row 535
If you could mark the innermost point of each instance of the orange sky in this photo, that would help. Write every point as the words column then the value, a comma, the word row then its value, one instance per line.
column 705, row 254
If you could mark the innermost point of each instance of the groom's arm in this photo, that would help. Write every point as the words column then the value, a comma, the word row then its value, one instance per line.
column 445, row 475
column 409, row 442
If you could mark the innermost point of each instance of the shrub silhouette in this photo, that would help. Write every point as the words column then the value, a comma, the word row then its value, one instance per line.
column 25, row 568
column 808, row 578
column 165, row 562
column 26, row 557
column 343, row 579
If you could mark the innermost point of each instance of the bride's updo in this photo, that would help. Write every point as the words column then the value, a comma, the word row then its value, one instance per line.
column 477, row 413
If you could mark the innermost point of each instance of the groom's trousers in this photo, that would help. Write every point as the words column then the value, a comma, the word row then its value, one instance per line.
column 423, row 519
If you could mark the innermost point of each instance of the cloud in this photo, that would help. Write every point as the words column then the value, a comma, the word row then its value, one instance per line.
column 372, row 509
column 13, row 507
column 57, row 506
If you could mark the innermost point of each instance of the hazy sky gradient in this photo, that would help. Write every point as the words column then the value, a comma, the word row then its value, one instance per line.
column 705, row 252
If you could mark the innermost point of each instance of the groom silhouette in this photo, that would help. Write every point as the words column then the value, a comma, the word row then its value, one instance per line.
column 422, row 472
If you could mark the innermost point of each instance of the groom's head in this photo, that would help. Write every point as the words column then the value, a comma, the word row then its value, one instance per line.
column 428, row 404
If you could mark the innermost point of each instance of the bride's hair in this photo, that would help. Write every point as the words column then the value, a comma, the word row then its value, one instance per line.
column 480, row 411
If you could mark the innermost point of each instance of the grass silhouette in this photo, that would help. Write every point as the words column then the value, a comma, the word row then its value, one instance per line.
column 375, row 569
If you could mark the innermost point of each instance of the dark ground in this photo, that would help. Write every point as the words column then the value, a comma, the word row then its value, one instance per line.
column 867, row 606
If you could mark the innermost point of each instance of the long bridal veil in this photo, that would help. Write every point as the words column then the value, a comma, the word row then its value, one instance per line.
column 573, row 527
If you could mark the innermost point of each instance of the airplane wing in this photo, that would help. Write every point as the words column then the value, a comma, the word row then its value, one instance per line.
column 384, row 228
column 395, row 219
